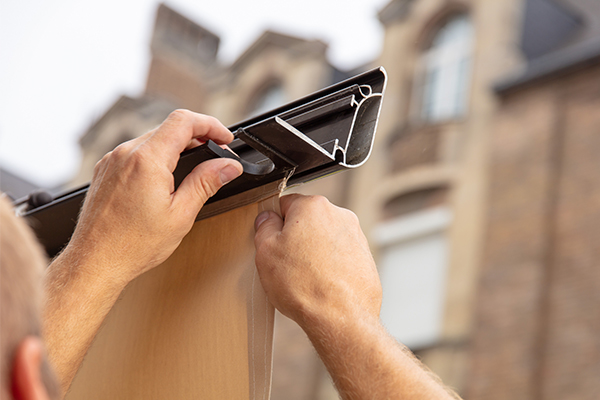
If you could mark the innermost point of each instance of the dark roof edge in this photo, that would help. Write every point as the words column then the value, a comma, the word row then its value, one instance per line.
column 553, row 65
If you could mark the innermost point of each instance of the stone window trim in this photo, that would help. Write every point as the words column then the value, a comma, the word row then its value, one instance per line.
column 450, row 10
column 414, row 201
column 420, row 178
column 412, row 226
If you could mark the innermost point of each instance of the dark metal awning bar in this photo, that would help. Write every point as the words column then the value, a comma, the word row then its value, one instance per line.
column 327, row 131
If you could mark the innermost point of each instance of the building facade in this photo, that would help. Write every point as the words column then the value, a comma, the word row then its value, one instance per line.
column 425, row 186
column 536, row 332
column 478, row 192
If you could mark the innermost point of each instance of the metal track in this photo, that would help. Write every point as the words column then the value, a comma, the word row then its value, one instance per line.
column 330, row 130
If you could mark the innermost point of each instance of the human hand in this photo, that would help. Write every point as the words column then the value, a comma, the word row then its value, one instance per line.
column 317, row 269
column 315, row 264
column 132, row 218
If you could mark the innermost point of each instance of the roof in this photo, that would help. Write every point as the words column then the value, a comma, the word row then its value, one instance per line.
column 555, row 64
column 547, row 24
column 270, row 38
column 559, row 36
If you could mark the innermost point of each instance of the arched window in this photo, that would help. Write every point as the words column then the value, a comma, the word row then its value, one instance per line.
column 446, row 69
column 267, row 99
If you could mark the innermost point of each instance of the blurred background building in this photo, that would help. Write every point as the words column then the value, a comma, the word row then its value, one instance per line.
column 481, row 199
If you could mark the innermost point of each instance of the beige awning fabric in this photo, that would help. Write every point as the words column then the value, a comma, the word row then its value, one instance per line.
column 199, row 326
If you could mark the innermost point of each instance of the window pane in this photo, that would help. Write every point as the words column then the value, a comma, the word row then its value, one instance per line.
column 431, row 87
column 447, row 68
column 462, row 89
column 413, row 275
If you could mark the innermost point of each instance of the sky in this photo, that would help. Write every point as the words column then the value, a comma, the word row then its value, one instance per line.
column 63, row 63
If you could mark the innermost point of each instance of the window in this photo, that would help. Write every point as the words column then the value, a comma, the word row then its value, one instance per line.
column 412, row 267
column 446, row 69
column 269, row 98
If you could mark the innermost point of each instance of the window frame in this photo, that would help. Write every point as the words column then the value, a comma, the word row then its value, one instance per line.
column 461, row 90
column 413, row 228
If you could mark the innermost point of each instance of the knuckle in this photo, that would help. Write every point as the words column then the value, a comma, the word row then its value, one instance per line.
column 130, row 158
column 213, row 121
column 137, row 157
column 206, row 188
column 119, row 151
column 209, row 119
column 318, row 201
column 97, row 167
column 352, row 217
column 179, row 115
column 102, row 162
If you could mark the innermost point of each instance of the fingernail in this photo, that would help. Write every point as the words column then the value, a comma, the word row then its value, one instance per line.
column 229, row 173
column 262, row 217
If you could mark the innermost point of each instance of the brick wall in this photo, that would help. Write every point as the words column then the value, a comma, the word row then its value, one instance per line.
column 412, row 147
column 537, row 333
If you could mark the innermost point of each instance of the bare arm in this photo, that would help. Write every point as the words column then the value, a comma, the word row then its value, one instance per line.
column 317, row 269
column 131, row 221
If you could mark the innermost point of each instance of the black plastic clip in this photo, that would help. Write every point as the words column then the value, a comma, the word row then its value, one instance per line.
column 264, row 168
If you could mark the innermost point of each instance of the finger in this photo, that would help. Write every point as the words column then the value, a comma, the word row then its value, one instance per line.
column 204, row 181
column 288, row 201
column 176, row 132
column 197, row 142
column 225, row 147
column 267, row 224
column 194, row 143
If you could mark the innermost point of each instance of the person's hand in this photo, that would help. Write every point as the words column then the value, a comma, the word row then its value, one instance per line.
column 315, row 264
column 317, row 269
column 132, row 219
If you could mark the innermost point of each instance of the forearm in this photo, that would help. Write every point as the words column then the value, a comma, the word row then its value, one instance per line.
column 365, row 362
column 131, row 221
column 78, row 299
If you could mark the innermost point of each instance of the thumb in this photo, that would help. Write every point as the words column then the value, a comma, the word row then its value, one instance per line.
column 267, row 224
column 205, row 180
